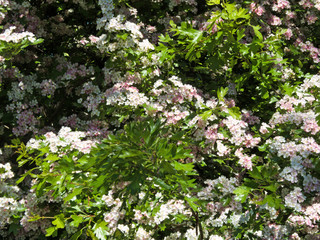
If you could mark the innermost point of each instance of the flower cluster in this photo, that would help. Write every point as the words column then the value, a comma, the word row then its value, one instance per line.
column 101, row 66
column 9, row 206
column 283, row 14
column 107, row 12
column 65, row 137
column 10, row 36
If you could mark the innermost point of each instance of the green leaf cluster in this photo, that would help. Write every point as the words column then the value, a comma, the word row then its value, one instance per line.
column 221, row 55
column 145, row 157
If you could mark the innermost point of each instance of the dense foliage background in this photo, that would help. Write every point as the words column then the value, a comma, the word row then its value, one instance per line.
column 159, row 119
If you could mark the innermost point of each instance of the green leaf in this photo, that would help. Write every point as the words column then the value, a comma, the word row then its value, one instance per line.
column 59, row 221
column 213, row 2
column 40, row 187
column 257, row 32
column 76, row 235
column 134, row 186
column 178, row 136
column 255, row 173
column 271, row 188
column 76, row 220
column 204, row 116
column 187, row 167
column 242, row 193
column 130, row 153
column 52, row 157
column 222, row 92
column 269, row 199
column 38, row 41
column 288, row 89
column 24, row 175
column 50, row 231
column 263, row 148
column 14, row 228
column 91, row 234
column 235, row 112
column 179, row 218
column 264, row 93
column 161, row 183
column 75, row 192
column 192, row 204
column 196, row 38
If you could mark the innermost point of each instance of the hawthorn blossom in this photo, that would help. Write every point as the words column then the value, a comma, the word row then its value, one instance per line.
column 294, row 198
column 244, row 160
column 274, row 21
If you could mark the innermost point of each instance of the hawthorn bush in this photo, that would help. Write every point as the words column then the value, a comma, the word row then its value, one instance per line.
column 159, row 119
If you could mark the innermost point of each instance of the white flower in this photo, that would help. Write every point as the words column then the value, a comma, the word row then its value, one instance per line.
column 123, row 228
column 141, row 195
column 191, row 234
column 215, row 237
column 145, row 45
column 142, row 234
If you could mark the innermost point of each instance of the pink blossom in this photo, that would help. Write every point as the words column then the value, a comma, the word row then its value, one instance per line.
column 257, row 9
column 244, row 160
column 306, row 3
column 311, row 18
column 212, row 133
column 93, row 39
column 311, row 125
column 280, row 5
column 250, row 141
column 264, row 128
column 288, row 34
column 274, row 21
column 295, row 236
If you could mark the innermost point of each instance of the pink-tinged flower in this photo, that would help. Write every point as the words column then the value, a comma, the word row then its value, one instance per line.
column 2, row 16
column 274, row 21
column 151, row 29
column 250, row 141
column 230, row 103
column 264, row 128
column 306, row 3
column 212, row 133
column 311, row 125
column 295, row 236
column 296, row 220
column 257, row 9
column 176, row 115
column 290, row 15
column 244, row 160
column 286, row 103
column 222, row 149
column 26, row 123
column 311, row 18
column 313, row 212
column 83, row 146
column 288, row 34
column 280, row 5
column 93, row 39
